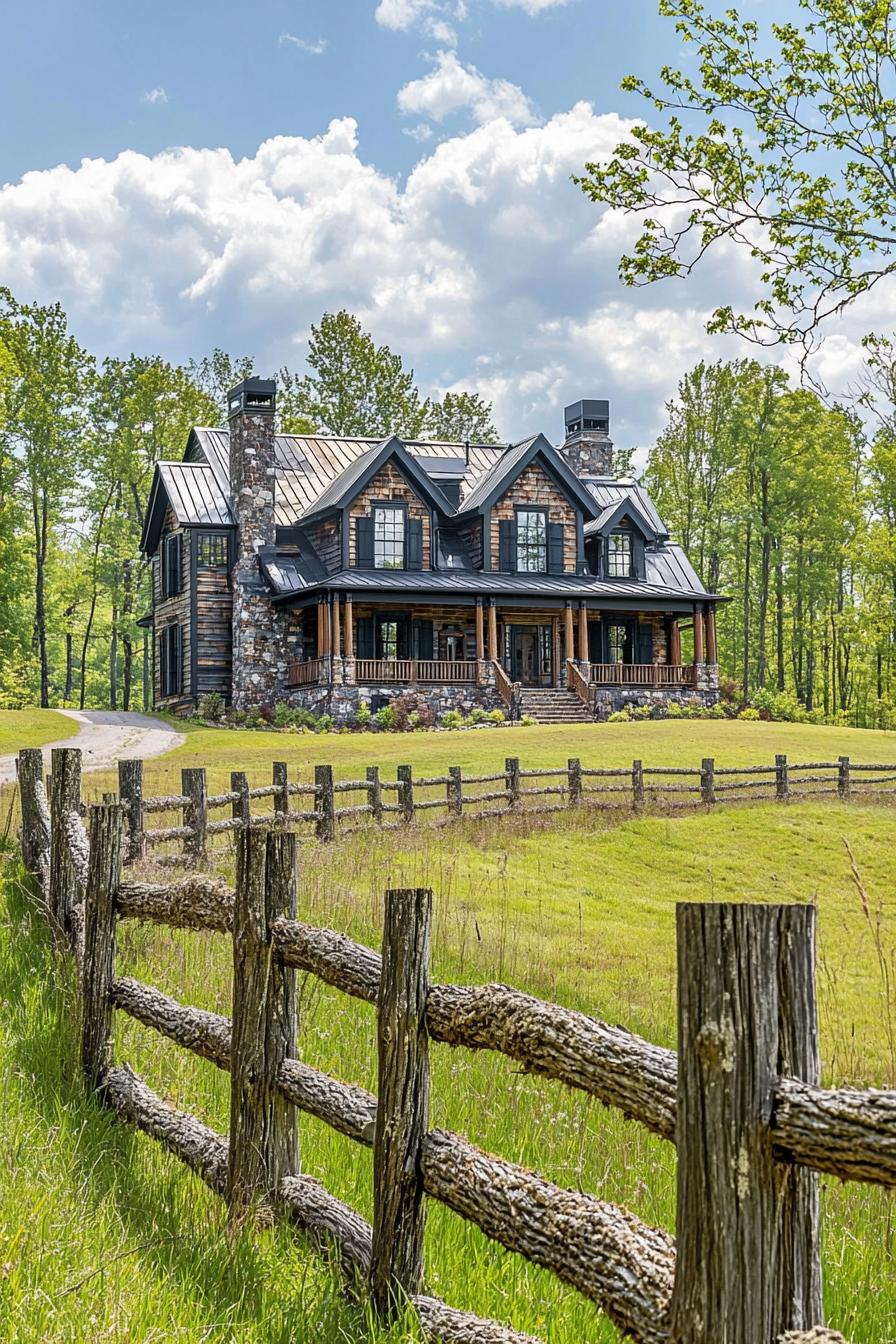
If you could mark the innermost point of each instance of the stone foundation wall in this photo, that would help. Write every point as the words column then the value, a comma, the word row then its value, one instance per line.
column 609, row 699
column 342, row 702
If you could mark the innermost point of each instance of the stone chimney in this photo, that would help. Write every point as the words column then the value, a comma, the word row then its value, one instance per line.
column 588, row 447
column 258, row 663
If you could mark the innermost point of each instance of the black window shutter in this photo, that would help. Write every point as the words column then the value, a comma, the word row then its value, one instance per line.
column 365, row 637
column 507, row 545
column 171, row 585
column 163, row 670
column 423, row 639
column 645, row 644
column 178, row 659
column 639, row 563
column 414, row 543
column 364, row 548
column 555, row 548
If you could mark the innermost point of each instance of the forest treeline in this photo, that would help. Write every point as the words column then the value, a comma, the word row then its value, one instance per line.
column 785, row 504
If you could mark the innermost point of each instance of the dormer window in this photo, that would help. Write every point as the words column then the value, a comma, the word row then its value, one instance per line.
column 531, row 541
column 388, row 537
column 619, row 555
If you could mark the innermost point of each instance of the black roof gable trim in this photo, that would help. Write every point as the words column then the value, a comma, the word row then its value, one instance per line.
column 155, row 514
column 625, row 507
column 345, row 488
column 513, row 463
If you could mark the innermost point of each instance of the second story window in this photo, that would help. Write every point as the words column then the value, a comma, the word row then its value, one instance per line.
column 619, row 555
column 212, row 550
column 531, row 541
column 171, row 568
column 388, row 537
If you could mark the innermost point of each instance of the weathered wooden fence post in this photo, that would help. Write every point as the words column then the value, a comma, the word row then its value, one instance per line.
column 375, row 793
column 65, row 885
column 708, row 781
column 512, row 779
column 280, row 780
column 454, row 791
column 193, row 785
column 747, row 1263
column 405, row 778
column 98, row 969
column 782, row 779
column 263, row 1132
column 843, row 778
column 402, row 1116
column 241, row 806
column 35, row 813
column 324, row 805
column 130, row 791
column 637, row 784
column 574, row 780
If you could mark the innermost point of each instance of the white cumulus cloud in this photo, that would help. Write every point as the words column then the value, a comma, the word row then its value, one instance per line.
column 487, row 268
column 452, row 87
column 154, row 96
column 402, row 14
column 531, row 6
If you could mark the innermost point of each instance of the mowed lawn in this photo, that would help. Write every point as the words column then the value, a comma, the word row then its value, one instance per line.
column 103, row 1236
column 32, row 728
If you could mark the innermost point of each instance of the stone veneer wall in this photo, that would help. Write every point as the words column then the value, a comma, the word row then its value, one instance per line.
column 589, row 453
column 342, row 701
column 259, row 642
column 608, row 699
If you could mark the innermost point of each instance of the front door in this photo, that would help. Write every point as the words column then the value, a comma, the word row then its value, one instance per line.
column 529, row 654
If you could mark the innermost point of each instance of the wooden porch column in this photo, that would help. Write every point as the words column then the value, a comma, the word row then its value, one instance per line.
column 570, row 643
column 320, row 627
column 337, row 632
column 555, row 650
column 325, row 628
column 675, row 643
column 349, row 628
column 480, row 632
column 583, row 633
column 492, row 631
column 712, row 652
column 698, row 637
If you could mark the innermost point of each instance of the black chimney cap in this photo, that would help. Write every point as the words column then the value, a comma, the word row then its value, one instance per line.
column 587, row 414
column 255, row 395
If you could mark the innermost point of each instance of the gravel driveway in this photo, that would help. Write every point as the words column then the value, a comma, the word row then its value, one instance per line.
column 107, row 736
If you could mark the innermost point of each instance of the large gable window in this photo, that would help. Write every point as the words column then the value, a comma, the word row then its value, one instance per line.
column 388, row 537
column 531, row 541
column 619, row 555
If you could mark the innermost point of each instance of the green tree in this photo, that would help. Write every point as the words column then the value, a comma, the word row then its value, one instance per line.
column 356, row 387
column 214, row 376
column 42, row 418
column 781, row 142
column 459, row 417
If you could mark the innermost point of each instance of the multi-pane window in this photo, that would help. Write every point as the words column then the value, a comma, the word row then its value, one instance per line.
column 170, row 661
column 617, row 637
column 388, row 639
column 212, row 550
column 171, row 575
column 619, row 555
column 388, row 538
column 531, row 541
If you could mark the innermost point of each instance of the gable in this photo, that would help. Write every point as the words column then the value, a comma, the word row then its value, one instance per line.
column 496, row 482
column 389, row 486
column 537, row 489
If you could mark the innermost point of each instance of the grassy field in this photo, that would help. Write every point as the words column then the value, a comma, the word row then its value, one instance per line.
column 104, row 1237
column 32, row 728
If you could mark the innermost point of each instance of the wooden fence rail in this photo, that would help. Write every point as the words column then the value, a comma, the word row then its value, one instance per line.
column 326, row 808
column 741, row 1100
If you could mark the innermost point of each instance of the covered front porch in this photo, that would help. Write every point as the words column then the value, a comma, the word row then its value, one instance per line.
column 344, row 639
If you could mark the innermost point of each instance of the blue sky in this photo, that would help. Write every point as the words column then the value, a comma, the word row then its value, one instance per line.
column 197, row 174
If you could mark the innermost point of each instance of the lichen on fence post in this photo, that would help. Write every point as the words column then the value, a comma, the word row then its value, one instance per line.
column 325, row 806
column 396, row 1267
column 130, row 791
column 512, row 779
column 637, row 784
column 782, row 779
column 65, row 885
column 746, row 1234
column 195, row 787
column 35, row 813
column 708, row 781
column 280, row 781
column 574, row 780
column 263, row 1136
column 375, row 794
column 240, row 807
column 98, row 969
column 454, row 792
column 405, row 777
column 843, row 778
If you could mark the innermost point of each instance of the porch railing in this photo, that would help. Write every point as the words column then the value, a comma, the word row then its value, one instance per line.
column 414, row 669
column 308, row 673
column 643, row 674
column 503, row 685
column 576, row 682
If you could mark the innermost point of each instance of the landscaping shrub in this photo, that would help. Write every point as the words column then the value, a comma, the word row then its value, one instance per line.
column 385, row 719
column 497, row 716
column 210, row 706
column 452, row 718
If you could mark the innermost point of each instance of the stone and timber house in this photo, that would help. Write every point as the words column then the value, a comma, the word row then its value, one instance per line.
column 325, row 571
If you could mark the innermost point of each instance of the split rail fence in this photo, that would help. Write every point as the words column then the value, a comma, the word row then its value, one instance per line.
column 325, row 807
column 741, row 1099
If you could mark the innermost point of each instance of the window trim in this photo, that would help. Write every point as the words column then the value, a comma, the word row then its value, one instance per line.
column 629, row 535
column 221, row 539
column 545, row 513
column 398, row 506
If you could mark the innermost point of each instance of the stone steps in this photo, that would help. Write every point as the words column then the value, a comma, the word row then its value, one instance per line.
column 553, row 706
